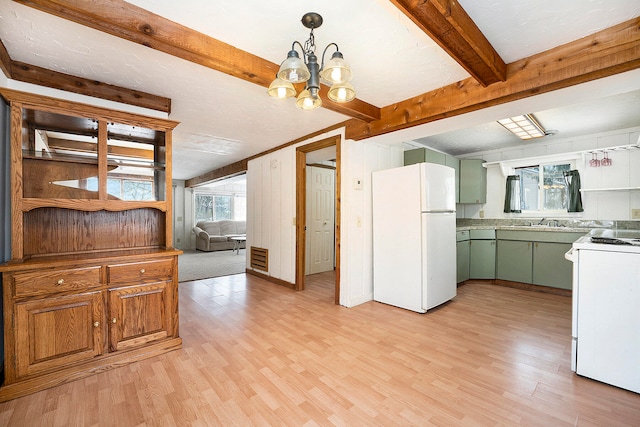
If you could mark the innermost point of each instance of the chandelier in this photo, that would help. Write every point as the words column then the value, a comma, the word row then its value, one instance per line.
column 335, row 72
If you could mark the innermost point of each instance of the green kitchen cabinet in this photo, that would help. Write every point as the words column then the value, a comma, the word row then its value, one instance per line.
column 550, row 268
column 426, row 155
column 473, row 181
column 514, row 261
column 423, row 155
column 535, row 257
column 454, row 163
column 482, row 254
column 462, row 255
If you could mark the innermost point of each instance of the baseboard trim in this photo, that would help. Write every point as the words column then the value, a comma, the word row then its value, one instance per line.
column 271, row 279
column 519, row 285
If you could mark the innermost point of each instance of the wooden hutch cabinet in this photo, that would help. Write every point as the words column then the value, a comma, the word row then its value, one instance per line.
column 92, row 279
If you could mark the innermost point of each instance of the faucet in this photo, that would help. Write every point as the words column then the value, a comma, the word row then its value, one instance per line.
column 541, row 221
column 554, row 223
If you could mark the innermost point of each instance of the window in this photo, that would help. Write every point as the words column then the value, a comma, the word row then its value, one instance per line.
column 213, row 207
column 543, row 187
column 125, row 189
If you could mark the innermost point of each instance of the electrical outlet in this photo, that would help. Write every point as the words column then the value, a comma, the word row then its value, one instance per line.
column 481, row 213
column 635, row 213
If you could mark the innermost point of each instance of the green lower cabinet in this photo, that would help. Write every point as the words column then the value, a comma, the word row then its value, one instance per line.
column 550, row 268
column 482, row 259
column 462, row 249
column 514, row 261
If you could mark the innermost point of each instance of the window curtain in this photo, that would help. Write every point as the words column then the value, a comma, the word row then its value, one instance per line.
column 572, row 178
column 512, row 195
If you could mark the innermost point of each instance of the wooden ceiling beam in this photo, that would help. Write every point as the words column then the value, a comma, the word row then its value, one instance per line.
column 124, row 20
column 603, row 54
column 447, row 23
column 5, row 60
column 228, row 171
column 44, row 77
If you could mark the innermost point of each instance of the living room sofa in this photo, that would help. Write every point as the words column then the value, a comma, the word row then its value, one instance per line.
column 216, row 235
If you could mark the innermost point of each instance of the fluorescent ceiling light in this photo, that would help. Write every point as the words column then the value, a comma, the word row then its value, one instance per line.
column 524, row 127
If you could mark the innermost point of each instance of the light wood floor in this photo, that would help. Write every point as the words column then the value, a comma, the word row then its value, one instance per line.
column 260, row 354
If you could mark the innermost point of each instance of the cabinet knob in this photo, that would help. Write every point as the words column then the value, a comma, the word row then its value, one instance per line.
column 60, row 281
column 142, row 270
column 114, row 320
column 96, row 324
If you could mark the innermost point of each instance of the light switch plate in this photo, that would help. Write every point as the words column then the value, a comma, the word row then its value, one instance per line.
column 635, row 213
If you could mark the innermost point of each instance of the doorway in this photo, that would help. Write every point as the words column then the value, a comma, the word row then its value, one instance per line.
column 320, row 232
column 301, row 210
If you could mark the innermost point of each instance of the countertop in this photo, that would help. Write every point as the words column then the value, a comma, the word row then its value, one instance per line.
column 527, row 228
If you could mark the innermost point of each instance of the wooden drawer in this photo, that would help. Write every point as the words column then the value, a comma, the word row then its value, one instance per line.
column 140, row 272
column 46, row 282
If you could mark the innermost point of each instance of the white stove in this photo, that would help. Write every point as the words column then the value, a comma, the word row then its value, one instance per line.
column 606, row 307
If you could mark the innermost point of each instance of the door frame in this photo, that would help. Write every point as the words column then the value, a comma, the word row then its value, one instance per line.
column 301, row 209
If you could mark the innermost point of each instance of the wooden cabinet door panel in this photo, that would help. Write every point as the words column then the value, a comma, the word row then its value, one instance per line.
column 59, row 331
column 139, row 314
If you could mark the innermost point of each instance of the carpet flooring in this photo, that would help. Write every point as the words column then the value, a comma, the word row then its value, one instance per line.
column 196, row 265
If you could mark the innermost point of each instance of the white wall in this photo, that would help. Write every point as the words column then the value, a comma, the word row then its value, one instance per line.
column 599, row 205
column 271, row 210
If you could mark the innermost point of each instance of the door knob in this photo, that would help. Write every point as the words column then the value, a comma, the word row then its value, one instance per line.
column 96, row 324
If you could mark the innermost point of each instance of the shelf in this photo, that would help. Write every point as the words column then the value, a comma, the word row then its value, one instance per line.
column 92, row 205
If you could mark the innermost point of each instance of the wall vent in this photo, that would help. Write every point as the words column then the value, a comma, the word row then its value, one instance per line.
column 260, row 258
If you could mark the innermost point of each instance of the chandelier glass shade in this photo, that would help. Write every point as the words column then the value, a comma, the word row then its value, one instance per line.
column 294, row 69
column 342, row 92
column 281, row 89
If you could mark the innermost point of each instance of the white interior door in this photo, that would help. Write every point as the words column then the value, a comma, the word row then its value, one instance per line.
column 321, row 219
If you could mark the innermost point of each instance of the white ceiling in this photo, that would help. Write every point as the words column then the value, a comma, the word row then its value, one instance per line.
column 225, row 119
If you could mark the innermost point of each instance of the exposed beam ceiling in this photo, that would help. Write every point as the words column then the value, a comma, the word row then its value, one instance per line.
column 608, row 52
column 44, row 77
column 446, row 22
column 121, row 19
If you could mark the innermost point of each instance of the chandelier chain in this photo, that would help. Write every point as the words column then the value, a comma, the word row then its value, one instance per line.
column 310, row 44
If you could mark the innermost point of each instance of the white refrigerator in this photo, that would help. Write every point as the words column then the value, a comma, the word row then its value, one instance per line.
column 414, row 236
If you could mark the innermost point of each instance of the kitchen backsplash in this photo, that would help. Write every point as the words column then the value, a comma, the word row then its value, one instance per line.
column 569, row 223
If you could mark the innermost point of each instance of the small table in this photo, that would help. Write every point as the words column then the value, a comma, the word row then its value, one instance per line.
column 236, row 243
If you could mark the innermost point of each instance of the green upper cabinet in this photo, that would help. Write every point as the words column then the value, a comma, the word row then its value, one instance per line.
column 425, row 155
column 454, row 163
column 473, row 181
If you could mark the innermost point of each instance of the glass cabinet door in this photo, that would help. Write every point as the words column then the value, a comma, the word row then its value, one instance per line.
column 61, row 158
column 135, row 163
column 59, row 155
